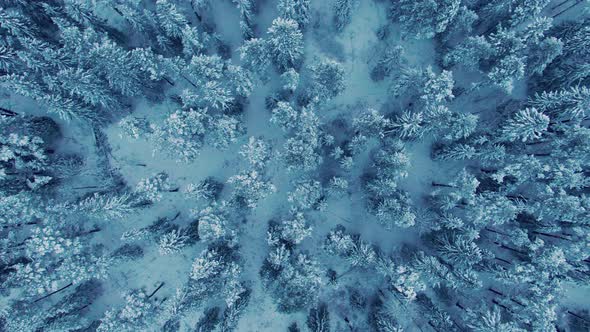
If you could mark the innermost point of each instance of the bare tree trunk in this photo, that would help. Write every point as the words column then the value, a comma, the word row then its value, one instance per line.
column 156, row 290
column 7, row 112
column 560, row 4
column 578, row 316
column 495, row 291
column 566, row 9
column 503, row 260
column 54, row 292
column 552, row 235
column 434, row 184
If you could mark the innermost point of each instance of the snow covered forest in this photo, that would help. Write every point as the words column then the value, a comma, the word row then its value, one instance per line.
column 294, row 165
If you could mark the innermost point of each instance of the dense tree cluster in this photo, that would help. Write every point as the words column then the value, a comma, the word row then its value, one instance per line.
column 214, row 165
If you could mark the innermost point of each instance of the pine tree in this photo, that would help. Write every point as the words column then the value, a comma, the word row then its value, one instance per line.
column 297, row 10
column 457, row 152
column 568, row 104
column 285, row 43
column 150, row 188
column 172, row 242
column 318, row 319
column 216, row 272
column 295, row 229
column 255, row 55
column 507, row 71
column 225, row 131
column 343, row 13
column 470, row 52
column 301, row 151
column 212, row 222
column 423, row 19
column 308, row 194
column 137, row 313
column 109, row 206
column 328, row 79
column 16, row 23
column 490, row 321
column 525, row 125
column 134, row 127
column 295, row 284
column 232, row 312
column 409, row 125
column 245, row 8
column 249, row 188
column 22, row 158
column 257, row 152
column 284, row 116
column 83, row 85
column 371, row 123
column 290, row 80
column 119, row 67
column 182, row 133
column 437, row 88
column 170, row 18
column 459, row 250
column 390, row 63
column 543, row 54
column 515, row 11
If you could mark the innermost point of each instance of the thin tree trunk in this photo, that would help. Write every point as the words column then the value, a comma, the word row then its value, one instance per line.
column 86, row 187
column 21, row 224
column 560, row 4
column 535, row 143
column 495, row 291
column 79, row 309
column 156, row 290
column 432, row 325
column 434, row 184
column 175, row 216
column 488, row 170
column 518, row 302
column 95, row 230
column 503, row 260
column 578, row 316
column 346, row 272
column 510, row 248
column 501, row 305
column 7, row 112
column 54, row 292
column 118, row 11
column 168, row 80
column 495, row 231
column 552, row 235
column 189, row 81
column 566, row 9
